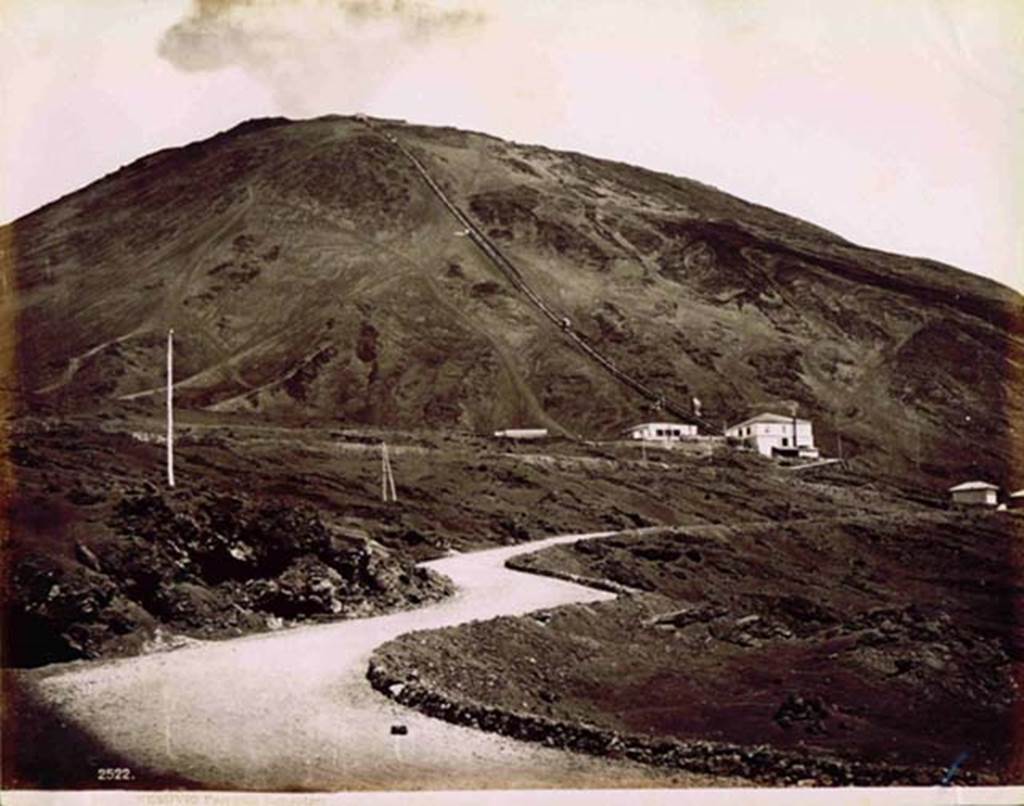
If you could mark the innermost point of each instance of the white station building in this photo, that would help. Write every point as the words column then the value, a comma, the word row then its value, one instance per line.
column 776, row 435
column 975, row 493
column 661, row 432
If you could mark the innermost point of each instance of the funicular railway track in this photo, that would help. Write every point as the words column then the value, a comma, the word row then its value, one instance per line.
column 515, row 277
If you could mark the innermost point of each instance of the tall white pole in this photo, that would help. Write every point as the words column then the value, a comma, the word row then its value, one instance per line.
column 170, row 408
column 391, row 477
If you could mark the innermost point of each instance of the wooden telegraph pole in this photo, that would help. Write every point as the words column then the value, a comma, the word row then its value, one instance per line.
column 170, row 407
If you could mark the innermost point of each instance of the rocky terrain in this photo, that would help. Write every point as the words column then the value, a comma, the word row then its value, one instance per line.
column 859, row 650
column 142, row 569
column 270, row 526
column 308, row 271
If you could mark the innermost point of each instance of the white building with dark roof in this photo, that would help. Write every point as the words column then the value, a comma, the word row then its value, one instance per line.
column 776, row 435
column 975, row 493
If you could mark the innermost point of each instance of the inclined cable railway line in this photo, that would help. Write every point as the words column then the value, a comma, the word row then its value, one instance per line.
column 495, row 255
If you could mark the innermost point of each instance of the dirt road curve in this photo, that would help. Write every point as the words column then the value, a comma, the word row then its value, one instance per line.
column 292, row 710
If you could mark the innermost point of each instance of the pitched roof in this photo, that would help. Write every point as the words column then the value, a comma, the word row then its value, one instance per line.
column 768, row 417
column 973, row 485
column 1017, row 494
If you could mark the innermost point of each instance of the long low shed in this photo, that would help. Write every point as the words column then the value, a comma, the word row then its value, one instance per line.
column 521, row 433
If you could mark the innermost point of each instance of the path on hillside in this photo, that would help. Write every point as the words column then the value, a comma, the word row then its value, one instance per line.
column 518, row 281
column 293, row 710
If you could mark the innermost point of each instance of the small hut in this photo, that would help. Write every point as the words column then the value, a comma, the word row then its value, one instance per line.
column 975, row 494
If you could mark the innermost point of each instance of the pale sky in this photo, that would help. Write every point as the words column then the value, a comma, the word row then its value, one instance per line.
column 895, row 123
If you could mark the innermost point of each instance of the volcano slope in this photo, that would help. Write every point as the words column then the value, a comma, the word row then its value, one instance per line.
column 323, row 298
column 847, row 650
column 309, row 270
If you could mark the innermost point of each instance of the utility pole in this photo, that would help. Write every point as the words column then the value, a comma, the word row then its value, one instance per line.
column 170, row 407
column 387, row 478
column 391, row 481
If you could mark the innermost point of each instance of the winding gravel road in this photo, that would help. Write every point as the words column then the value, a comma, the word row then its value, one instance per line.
column 293, row 711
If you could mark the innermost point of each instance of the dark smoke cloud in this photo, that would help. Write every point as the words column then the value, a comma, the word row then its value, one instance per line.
column 309, row 52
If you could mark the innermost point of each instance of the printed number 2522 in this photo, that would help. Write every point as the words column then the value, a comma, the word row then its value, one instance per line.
column 114, row 774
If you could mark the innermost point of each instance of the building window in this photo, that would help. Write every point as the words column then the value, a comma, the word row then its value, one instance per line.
column 785, row 442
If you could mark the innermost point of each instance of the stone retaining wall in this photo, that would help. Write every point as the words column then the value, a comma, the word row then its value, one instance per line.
column 760, row 763
column 400, row 681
